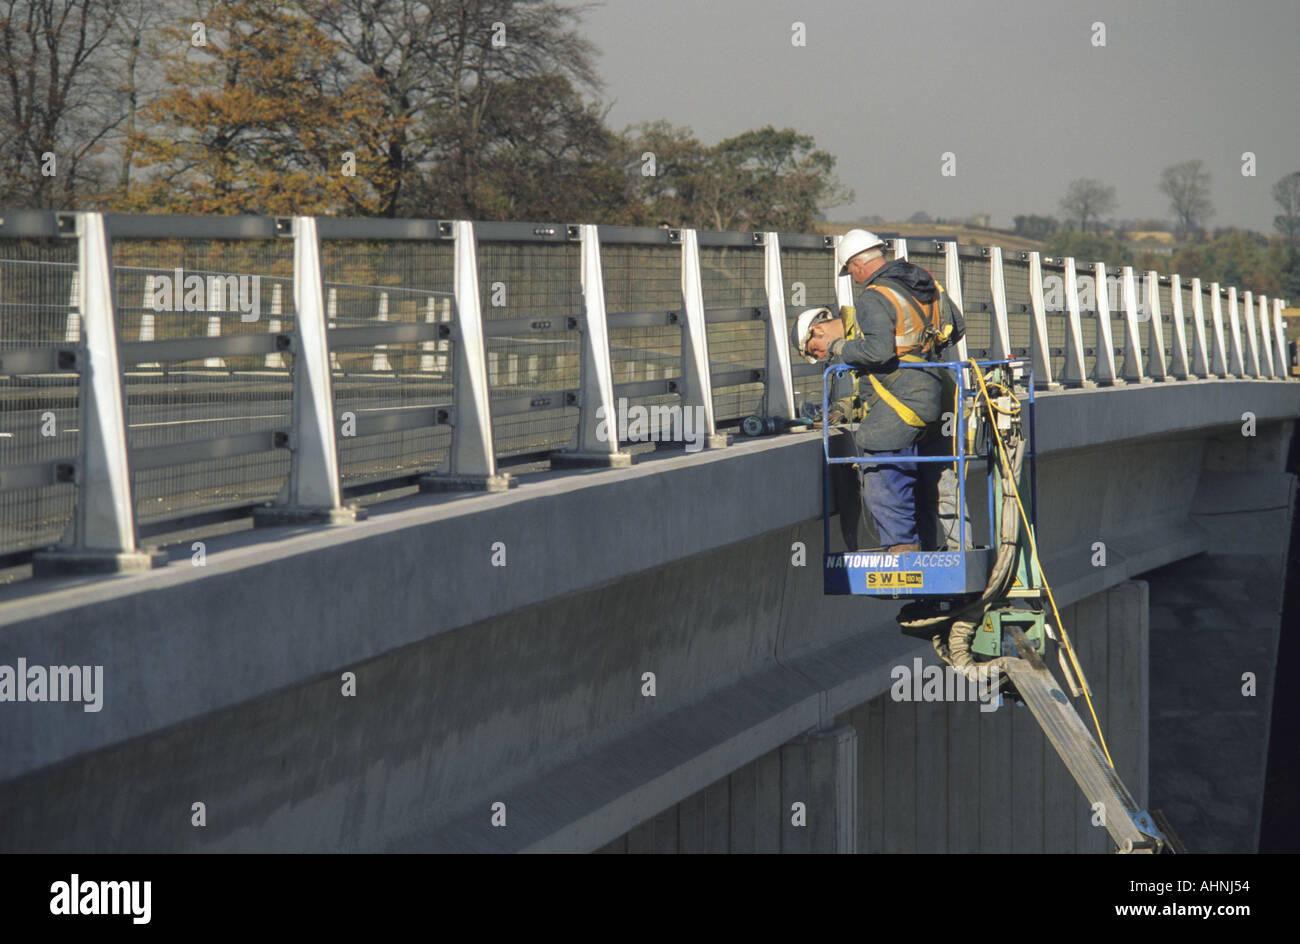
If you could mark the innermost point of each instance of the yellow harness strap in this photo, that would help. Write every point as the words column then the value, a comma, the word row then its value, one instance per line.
column 905, row 413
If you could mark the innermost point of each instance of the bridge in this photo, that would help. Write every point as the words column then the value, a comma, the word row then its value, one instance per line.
column 334, row 510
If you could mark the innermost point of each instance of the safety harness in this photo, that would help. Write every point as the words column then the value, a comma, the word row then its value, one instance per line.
column 917, row 328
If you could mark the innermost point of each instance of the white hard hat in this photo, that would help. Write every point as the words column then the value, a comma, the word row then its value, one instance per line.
column 803, row 325
column 852, row 243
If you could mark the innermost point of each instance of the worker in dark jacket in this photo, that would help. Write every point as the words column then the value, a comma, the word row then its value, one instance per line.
column 901, row 313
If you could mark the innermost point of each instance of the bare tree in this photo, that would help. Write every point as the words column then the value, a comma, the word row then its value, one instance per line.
column 1087, row 199
column 1187, row 185
column 441, row 67
column 1287, row 194
column 58, row 103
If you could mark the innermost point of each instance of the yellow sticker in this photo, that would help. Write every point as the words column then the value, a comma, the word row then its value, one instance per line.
column 888, row 580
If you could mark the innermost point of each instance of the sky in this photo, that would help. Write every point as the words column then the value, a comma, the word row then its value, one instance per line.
column 1016, row 91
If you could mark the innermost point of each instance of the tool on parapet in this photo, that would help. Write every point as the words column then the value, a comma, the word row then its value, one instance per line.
column 985, row 607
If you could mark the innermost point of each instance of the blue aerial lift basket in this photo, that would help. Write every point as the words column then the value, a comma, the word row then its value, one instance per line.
column 926, row 573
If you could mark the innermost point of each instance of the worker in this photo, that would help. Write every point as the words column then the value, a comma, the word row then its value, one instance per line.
column 901, row 313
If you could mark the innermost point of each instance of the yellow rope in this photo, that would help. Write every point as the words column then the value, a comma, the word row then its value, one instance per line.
column 1033, row 547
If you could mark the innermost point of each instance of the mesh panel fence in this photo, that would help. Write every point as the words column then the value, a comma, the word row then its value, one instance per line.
column 370, row 283
column 541, row 361
column 39, row 299
column 732, row 277
column 193, row 288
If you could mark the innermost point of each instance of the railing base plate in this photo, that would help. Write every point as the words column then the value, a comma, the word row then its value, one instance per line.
column 574, row 459
column 466, row 483
column 274, row 516
column 60, row 563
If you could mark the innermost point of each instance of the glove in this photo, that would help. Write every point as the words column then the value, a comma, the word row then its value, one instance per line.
column 834, row 349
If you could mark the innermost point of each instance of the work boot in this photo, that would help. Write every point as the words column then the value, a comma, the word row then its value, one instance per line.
column 904, row 548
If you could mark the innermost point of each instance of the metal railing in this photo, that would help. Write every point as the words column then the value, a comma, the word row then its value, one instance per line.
column 154, row 368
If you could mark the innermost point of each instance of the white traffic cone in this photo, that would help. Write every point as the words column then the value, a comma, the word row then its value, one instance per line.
column 379, row 363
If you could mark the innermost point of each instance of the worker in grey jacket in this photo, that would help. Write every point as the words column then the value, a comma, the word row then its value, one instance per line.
column 901, row 314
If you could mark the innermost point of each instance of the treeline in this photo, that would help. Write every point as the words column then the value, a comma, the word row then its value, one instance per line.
column 1229, row 256
column 480, row 109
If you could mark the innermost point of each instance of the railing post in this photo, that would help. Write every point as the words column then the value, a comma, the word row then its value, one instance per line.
column 1132, row 369
column 1220, row 362
column 1279, row 334
column 597, row 415
column 1234, row 325
column 1266, row 338
column 952, row 284
column 1182, row 366
column 900, row 248
column 1248, row 315
column 1156, row 354
column 1201, row 354
column 696, row 386
column 1075, row 373
column 101, row 536
column 999, row 330
column 471, row 460
column 312, row 493
column 844, row 297
column 1103, row 370
column 1040, row 340
column 778, row 386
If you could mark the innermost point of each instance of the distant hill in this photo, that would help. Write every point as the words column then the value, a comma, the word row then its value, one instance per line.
column 966, row 235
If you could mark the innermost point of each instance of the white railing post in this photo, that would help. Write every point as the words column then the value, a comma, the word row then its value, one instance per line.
column 1248, row 315
column 471, row 459
column 1132, row 369
column 101, row 536
column 952, row 285
column 1234, row 326
column 778, row 386
column 1075, row 372
column 1220, row 362
column 597, row 413
column 1104, row 368
column 1200, row 354
column 999, row 330
column 1040, row 340
column 1182, row 364
column 1279, row 334
column 900, row 248
column 696, row 385
column 312, row 493
column 1266, row 339
column 1156, row 354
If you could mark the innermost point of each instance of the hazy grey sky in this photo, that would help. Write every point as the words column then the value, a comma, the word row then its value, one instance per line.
column 1015, row 89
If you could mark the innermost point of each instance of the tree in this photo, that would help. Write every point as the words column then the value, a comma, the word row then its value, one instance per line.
column 58, row 103
column 1187, row 185
column 443, row 69
column 763, row 179
column 1286, row 192
column 255, row 121
column 1087, row 199
column 1035, row 227
column 550, row 156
